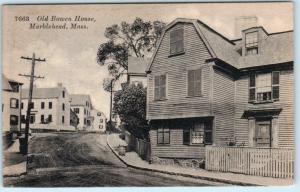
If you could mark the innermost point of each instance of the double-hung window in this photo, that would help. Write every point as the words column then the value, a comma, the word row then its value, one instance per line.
column 160, row 87
column 14, row 120
column 14, row 103
column 251, row 43
column 176, row 41
column 163, row 134
column 194, row 82
column 264, row 87
column 198, row 132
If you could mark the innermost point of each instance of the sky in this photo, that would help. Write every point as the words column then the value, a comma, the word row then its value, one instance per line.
column 71, row 54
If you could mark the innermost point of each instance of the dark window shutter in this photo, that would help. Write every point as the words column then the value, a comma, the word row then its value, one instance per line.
column 176, row 41
column 17, row 103
column 275, row 92
column 251, row 94
column 275, row 78
column 208, row 133
column 191, row 83
column 197, row 82
column 252, row 90
column 179, row 45
column 252, row 80
column 275, row 85
column 186, row 136
column 156, row 87
column 162, row 86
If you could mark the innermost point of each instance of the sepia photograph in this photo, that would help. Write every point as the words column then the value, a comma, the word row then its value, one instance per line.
column 148, row 94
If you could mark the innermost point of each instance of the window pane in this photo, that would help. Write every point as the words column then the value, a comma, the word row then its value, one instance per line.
column 263, row 80
column 166, row 137
column 275, row 92
column 13, row 103
column 14, row 120
column 251, row 39
column 160, row 137
column 252, row 51
column 275, row 78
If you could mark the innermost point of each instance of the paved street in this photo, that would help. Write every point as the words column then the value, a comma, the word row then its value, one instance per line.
column 77, row 159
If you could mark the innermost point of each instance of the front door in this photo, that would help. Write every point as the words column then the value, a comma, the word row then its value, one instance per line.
column 263, row 133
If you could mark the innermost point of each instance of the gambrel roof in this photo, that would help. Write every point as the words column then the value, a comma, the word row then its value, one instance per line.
column 279, row 46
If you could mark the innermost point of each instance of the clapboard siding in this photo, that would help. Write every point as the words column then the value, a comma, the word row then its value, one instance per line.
column 241, row 104
column 177, row 103
column 286, row 117
column 223, row 107
column 175, row 149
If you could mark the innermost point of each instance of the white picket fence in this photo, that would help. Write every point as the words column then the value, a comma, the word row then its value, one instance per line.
column 269, row 162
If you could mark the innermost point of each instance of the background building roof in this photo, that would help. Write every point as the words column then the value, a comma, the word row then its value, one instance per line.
column 42, row 93
column 137, row 65
column 79, row 99
column 6, row 83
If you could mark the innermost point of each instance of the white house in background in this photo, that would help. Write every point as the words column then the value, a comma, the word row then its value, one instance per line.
column 11, row 111
column 51, row 109
column 81, row 104
column 137, row 70
column 99, row 121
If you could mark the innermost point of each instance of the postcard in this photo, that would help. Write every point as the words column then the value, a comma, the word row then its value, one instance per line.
column 158, row 94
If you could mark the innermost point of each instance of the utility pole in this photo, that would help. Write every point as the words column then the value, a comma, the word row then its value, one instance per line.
column 110, row 110
column 29, row 106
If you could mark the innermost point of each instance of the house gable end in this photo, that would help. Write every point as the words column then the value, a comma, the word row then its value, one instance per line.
column 169, row 27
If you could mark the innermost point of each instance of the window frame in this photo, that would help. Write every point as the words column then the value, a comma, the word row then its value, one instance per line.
column 191, row 128
column 163, row 129
column 170, row 42
column 160, row 87
column 32, row 119
column 49, row 119
column 50, row 105
column 253, row 45
column 272, row 85
column 16, row 106
column 42, row 118
column 42, row 105
column 16, row 120
column 201, row 82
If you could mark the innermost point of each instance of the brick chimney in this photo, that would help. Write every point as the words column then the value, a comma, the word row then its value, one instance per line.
column 244, row 22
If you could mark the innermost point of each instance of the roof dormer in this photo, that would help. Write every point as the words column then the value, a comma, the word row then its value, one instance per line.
column 252, row 40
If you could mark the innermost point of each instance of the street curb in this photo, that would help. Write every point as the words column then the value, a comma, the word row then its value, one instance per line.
column 15, row 175
column 182, row 174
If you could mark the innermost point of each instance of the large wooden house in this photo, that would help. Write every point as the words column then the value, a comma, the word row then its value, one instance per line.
column 207, row 90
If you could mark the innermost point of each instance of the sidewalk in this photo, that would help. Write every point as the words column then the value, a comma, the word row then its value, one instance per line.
column 14, row 162
column 132, row 159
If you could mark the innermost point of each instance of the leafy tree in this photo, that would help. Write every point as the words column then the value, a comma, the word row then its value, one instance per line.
column 128, row 39
column 130, row 105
